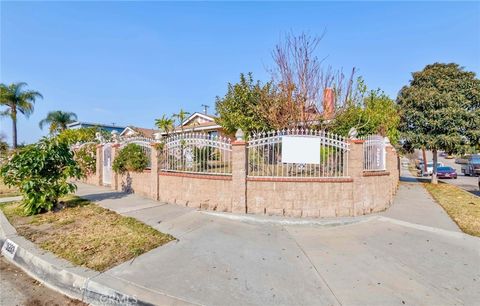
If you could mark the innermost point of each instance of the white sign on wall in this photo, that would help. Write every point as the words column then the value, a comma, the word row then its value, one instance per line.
column 301, row 150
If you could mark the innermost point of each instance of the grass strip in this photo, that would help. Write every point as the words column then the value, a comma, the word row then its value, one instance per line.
column 462, row 206
column 7, row 191
column 86, row 234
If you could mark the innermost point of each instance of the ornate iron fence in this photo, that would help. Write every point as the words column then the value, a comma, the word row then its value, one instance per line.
column 374, row 153
column 297, row 153
column 197, row 153
column 143, row 142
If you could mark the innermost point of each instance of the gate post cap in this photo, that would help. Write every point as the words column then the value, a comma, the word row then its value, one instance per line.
column 240, row 135
column 353, row 133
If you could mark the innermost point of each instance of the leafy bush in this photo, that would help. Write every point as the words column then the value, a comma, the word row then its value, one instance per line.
column 82, row 135
column 86, row 158
column 41, row 172
column 378, row 114
column 130, row 158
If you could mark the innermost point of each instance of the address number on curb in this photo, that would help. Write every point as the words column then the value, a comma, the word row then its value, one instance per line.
column 9, row 248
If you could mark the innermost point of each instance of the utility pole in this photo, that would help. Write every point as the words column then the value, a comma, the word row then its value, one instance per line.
column 205, row 108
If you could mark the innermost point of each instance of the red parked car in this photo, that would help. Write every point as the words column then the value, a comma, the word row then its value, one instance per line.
column 446, row 172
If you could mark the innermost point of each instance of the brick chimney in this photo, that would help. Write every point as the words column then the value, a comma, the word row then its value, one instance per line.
column 328, row 104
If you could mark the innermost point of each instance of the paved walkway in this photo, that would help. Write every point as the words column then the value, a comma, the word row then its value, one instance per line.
column 10, row 199
column 414, row 204
column 410, row 255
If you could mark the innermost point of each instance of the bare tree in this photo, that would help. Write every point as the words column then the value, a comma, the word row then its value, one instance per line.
column 297, row 74
column 300, row 82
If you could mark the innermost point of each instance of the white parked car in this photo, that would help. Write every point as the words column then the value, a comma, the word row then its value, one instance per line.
column 430, row 168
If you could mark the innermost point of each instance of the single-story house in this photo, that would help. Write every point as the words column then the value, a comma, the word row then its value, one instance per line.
column 199, row 122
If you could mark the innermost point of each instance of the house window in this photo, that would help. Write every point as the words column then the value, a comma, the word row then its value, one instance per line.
column 213, row 133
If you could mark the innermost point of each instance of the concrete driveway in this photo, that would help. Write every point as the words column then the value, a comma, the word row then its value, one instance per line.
column 386, row 259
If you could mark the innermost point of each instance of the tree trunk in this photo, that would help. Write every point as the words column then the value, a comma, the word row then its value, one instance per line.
column 14, row 128
column 434, row 172
column 424, row 160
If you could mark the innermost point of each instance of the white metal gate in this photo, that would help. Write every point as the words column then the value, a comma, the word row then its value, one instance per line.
column 107, row 164
column 374, row 153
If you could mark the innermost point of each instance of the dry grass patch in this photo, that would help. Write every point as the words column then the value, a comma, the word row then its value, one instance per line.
column 462, row 206
column 86, row 234
column 7, row 191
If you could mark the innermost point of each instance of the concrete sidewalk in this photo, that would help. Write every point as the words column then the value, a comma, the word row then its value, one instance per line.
column 10, row 199
column 410, row 255
column 414, row 204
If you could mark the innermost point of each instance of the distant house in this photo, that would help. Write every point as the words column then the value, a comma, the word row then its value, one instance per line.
column 133, row 131
column 199, row 122
column 106, row 127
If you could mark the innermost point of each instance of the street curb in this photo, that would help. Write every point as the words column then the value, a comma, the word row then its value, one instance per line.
column 277, row 220
column 78, row 283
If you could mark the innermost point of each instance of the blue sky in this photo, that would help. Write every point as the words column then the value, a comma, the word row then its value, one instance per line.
column 131, row 62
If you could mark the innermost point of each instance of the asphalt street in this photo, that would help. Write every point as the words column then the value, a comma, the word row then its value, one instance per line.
column 468, row 183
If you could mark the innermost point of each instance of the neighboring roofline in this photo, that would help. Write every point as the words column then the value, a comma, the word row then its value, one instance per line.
column 95, row 124
column 139, row 130
column 189, row 129
column 127, row 128
column 208, row 117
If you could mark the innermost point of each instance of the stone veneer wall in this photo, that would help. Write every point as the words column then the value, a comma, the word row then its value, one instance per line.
column 359, row 193
column 91, row 179
column 304, row 198
column 135, row 182
column 208, row 192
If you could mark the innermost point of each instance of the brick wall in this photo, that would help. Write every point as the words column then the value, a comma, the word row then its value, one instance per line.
column 326, row 198
column 199, row 191
column 136, row 182
column 359, row 193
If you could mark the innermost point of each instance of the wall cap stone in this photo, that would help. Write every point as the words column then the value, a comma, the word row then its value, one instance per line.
column 221, row 177
column 376, row 173
column 302, row 179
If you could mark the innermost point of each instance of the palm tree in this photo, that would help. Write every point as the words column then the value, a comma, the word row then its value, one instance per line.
column 165, row 124
column 17, row 100
column 181, row 116
column 58, row 121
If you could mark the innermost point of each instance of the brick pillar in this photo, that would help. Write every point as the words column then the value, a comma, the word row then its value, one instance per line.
column 393, row 166
column 154, row 191
column 355, row 171
column 115, row 176
column 99, row 166
column 239, row 176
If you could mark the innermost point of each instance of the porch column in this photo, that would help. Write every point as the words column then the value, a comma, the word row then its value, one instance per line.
column 239, row 174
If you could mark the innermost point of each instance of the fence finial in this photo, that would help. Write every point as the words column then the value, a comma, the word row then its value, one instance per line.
column 157, row 136
column 115, row 137
column 352, row 134
column 240, row 135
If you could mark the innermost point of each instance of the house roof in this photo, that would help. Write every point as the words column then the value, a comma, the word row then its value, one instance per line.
column 94, row 124
column 197, row 114
column 149, row 133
